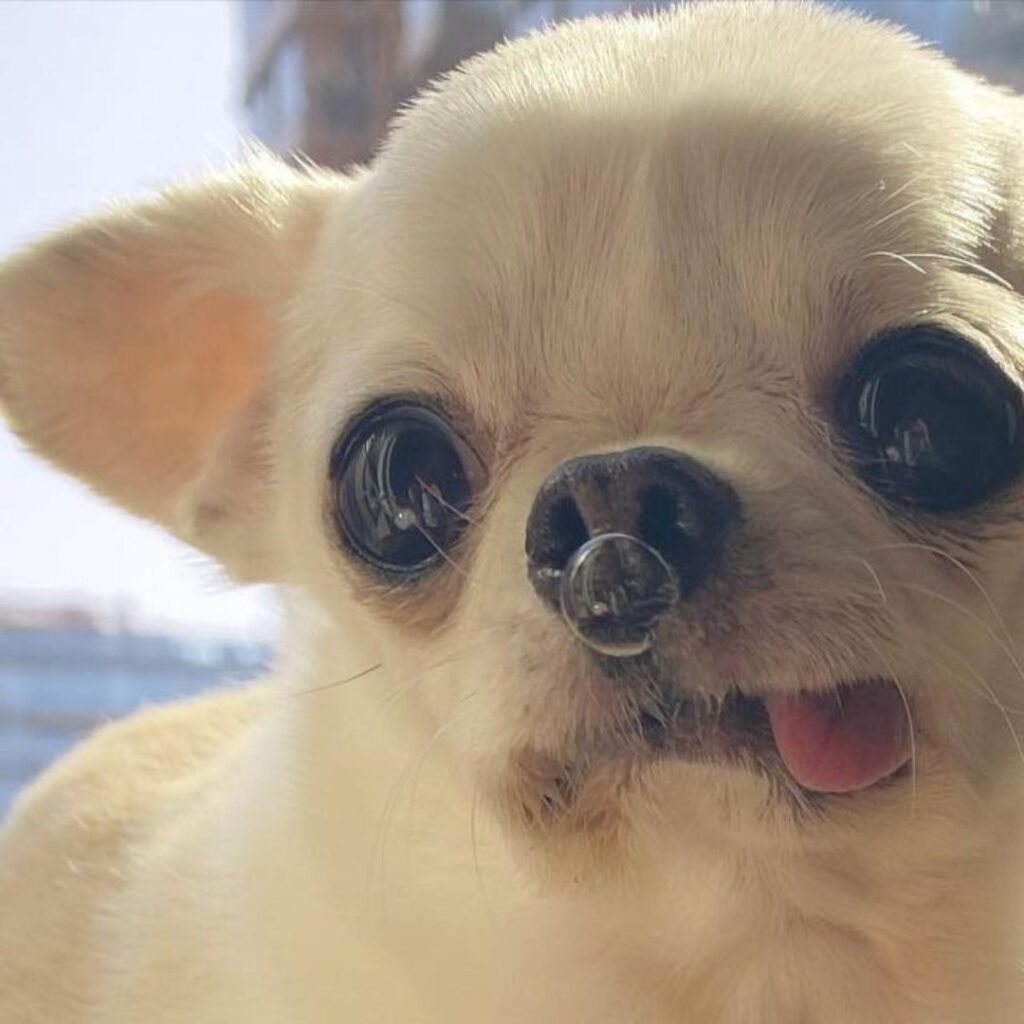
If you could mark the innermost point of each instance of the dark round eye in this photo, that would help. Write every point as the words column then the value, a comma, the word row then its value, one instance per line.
column 403, row 481
column 933, row 422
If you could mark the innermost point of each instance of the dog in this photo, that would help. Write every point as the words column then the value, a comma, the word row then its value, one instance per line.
column 638, row 446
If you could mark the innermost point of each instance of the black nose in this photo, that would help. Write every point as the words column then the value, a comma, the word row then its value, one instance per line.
column 614, row 541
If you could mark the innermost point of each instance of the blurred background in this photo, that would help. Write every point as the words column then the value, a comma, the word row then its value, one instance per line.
column 102, row 98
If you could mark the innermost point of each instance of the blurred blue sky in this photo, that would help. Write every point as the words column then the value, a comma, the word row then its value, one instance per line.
column 102, row 98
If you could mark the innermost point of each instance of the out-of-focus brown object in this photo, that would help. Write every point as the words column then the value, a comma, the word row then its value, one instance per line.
column 323, row 77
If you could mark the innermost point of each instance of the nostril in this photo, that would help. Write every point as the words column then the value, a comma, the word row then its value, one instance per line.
column 561, row 533
column 667, row 522
column 555, row 531
column 659, row 516
column 663, row 522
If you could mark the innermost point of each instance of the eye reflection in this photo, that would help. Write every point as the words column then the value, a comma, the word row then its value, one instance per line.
column 402, row 481
column 933, row 422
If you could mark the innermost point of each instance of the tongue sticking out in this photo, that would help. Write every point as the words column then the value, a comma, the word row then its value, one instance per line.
column 844, row 740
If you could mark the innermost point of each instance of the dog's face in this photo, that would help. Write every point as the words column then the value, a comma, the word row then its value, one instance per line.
column 654, row 401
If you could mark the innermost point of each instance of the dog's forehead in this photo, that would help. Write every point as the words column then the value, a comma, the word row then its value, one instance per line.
column 593, row 217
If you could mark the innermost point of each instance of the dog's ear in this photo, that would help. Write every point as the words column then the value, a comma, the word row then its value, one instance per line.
column 136, row 348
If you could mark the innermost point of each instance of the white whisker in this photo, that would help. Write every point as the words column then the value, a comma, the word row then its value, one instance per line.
column 957, row 564
column 902, row 259
column 969, row 615
column 961, row 261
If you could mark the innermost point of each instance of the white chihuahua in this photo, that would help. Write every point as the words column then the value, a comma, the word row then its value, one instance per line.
column 640, row 445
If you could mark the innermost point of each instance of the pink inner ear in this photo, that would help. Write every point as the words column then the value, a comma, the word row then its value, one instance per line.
column 134, row 383
column 134, row 346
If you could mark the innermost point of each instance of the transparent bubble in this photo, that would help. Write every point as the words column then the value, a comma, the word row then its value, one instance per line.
column 613, row 591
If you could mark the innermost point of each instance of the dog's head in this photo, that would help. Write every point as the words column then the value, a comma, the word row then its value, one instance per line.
column 655, row 401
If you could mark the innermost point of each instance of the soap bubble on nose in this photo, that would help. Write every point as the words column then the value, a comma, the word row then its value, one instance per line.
column 613, row 591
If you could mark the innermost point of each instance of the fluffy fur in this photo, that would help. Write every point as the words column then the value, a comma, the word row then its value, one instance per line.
column 680, row 230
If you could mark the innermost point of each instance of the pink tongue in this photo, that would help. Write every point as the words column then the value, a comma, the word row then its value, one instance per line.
column 839, row 742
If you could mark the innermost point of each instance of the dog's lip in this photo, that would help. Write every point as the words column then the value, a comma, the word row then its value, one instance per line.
column 844, row 738
column 727, row 728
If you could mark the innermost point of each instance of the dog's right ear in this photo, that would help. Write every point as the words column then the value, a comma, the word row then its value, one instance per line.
column 136, row 348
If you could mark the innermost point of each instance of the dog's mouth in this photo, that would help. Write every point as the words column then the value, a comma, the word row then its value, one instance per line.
column 846, row 740
column 842, row 740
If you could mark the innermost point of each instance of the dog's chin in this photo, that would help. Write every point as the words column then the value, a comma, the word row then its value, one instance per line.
column 794, row 756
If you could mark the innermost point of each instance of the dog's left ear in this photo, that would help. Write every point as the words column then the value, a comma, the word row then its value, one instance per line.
column 136, row 349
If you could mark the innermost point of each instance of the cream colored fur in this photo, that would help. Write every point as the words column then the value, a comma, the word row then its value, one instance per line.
column 676, row 229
